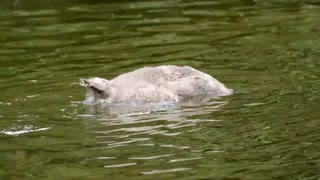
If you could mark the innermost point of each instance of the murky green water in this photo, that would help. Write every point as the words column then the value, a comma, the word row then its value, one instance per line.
column 267, row 51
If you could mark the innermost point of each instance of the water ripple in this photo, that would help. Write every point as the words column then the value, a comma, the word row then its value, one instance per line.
column 26, row 129
column 151, row 157
column 184, row 159
column 159, row 171
column 119, row 165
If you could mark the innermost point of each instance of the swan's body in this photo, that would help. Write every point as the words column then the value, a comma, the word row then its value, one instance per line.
column 153, row 84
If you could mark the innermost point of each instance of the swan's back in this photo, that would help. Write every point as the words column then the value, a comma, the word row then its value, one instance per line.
column 156, row 75
column 166, row 83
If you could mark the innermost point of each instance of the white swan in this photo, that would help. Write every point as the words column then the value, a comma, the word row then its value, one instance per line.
column 153, row 84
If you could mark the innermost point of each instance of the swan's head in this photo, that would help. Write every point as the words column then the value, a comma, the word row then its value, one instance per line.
column 98, row 90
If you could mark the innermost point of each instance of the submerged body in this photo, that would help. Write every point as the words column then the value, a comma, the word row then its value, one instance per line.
column 153, row 84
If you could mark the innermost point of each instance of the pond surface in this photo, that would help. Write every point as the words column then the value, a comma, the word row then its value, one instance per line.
column 267, row 51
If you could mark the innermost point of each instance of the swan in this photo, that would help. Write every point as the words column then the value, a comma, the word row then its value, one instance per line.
column 166, row 83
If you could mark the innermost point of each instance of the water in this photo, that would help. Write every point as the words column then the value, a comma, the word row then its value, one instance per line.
column 267, row 51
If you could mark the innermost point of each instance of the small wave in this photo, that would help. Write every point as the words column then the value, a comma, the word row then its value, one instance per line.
column 165, row 171
column 26, row 129
column 119, row 165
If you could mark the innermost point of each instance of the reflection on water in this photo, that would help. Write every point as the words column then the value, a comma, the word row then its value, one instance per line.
column 267, row 51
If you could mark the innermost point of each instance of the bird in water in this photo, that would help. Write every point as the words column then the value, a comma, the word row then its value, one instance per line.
column 167, row 83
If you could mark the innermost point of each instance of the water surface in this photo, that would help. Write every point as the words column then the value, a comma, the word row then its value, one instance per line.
column 267, row 51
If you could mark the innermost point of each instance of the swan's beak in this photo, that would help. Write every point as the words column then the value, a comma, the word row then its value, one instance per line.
column 84, row 82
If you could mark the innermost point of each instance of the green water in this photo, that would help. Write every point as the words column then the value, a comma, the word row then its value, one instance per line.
column 267, row 51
